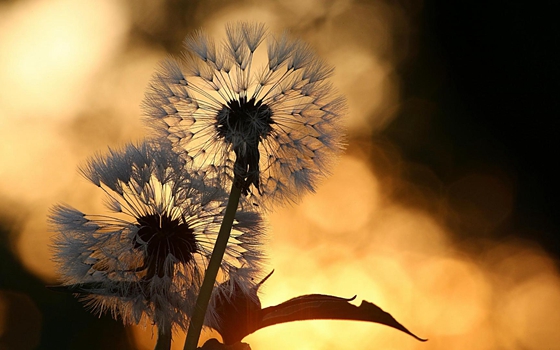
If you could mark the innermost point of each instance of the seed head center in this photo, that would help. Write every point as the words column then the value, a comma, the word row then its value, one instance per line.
column 163, row 236
column 244, row 120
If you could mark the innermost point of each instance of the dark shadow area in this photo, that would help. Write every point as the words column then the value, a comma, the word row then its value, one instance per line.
column 37, row 318
column 480, row 96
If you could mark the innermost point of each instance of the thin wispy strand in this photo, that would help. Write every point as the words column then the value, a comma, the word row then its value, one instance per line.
column 265, row 113
column 147, row 254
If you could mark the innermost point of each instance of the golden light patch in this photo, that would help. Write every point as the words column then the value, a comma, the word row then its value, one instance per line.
column 368, row 86
column 145, row 337
column 55, row 48
column 455, row 296
column 402, row 230
column 36, row 163
column 528, row 285
column 528, row 313
column 346, row 200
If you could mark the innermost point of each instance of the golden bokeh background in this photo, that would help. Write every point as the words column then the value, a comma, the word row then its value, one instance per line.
column 72, row 76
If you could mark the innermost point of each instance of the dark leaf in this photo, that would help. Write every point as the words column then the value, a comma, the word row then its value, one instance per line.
column 242, row 315
column 326, row 307
column 239, row 314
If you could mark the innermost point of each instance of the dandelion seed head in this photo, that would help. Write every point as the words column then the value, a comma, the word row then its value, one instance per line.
column 271, row 124
column 147, row 255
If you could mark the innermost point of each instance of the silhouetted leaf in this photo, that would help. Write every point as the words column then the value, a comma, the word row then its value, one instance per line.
column 241, row 314
column 326, row 307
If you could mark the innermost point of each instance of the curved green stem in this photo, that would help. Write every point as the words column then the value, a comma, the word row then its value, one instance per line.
column 197, row 320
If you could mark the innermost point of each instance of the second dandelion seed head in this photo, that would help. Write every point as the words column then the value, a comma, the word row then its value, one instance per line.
column 146, row 255
column 268, row 119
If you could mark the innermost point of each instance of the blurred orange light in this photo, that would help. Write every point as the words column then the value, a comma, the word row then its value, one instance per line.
column 345, row 201
column 529, row 313
column 55, row 48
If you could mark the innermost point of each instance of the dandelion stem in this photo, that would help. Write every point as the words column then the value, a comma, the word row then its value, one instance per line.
column 164, row 338
column 197, row 320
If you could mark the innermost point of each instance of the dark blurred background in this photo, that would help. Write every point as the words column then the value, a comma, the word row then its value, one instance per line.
column 471, row 139
column 480, row 93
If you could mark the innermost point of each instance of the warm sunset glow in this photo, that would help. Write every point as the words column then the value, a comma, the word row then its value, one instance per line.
column 529, row 287
column 55, row 48
column 528, row 311
column 451, row 287
column 346, row 200
column 145, row 337
column 371, row 89
column 71, row 84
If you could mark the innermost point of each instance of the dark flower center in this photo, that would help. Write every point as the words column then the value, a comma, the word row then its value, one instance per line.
column 248, row 120
column 164, row 236
column 243, row 124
